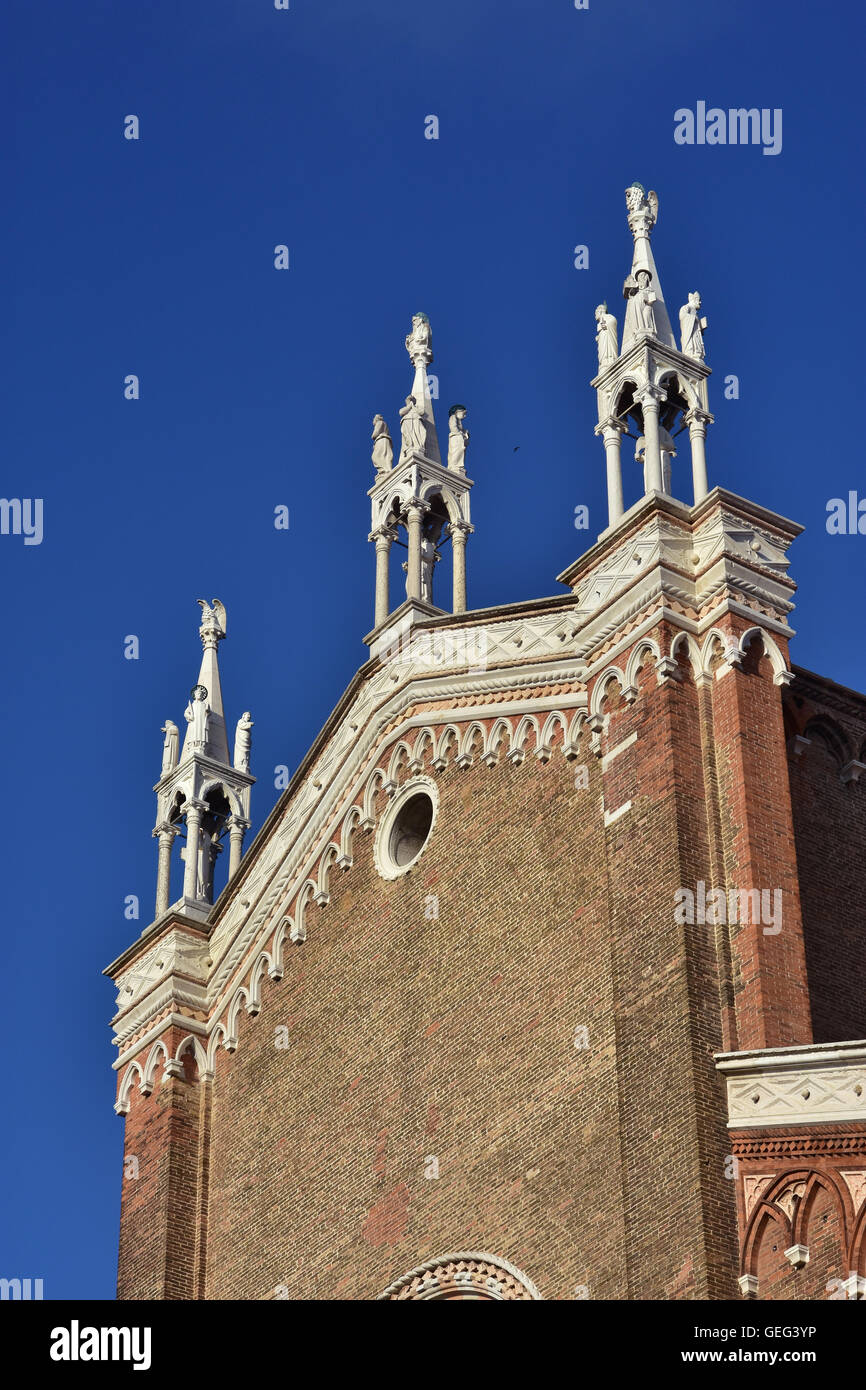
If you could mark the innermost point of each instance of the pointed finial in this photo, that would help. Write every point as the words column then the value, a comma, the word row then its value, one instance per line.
column 646, row 312
column 417, row 424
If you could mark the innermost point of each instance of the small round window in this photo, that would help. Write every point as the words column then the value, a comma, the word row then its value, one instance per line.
column 405, row 830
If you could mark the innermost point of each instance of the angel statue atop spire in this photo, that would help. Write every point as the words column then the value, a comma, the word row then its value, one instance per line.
column 213, row 616
column 643, row 209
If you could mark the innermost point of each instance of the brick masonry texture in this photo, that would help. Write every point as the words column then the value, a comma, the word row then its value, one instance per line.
column 830, row 835
column 420, row 1043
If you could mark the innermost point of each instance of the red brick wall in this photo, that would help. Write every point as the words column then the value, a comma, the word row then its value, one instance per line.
column 806, row 1202
column 777, row 1278
column 161, row 1226
column 412, row 1038
column 824, row 1238
column 830, row 837
column 769, row 974
column 681, row 1215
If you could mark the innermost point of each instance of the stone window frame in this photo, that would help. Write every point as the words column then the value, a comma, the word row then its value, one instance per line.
column 468, row 1274
column 385, row 866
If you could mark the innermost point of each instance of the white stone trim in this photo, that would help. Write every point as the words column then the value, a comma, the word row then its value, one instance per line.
column 797, row 1256
column 795, row 1085
column 474, row 1257
column 382, row 860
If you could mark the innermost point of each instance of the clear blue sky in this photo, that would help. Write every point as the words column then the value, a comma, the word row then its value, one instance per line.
column 306, row 127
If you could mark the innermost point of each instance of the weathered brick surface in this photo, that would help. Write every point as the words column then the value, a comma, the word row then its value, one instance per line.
column 412, row 1037
column 830, row 837
column 160, row 1226
column 771, row 996
column 806, row 1202
column 417, row 1040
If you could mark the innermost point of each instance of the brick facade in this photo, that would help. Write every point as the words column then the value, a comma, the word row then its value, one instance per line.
column 511, row 1048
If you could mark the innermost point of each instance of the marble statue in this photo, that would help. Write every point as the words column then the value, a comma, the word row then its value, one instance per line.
column 412, row 428
column 644, row 299
column 429, row 557
column 458, row 437
column 170, row 747
column 243, row 738
column 605, row 337
column 668, row 451
column 419, row 343
column 692, row 326
column 634, row 196
column 642, row 207
column 383, row 449
column 196, row 715
column 213, row 616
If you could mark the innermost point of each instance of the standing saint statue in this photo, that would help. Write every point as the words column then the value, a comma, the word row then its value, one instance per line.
column 429, row 557
column 196, row 715
column 667, row 450
column 383, row 448
column 692, row 326
column 458, row 438
column 243, row 739
column 605, row 338
column 644, row 299
column 170, row 747
column 413, row 428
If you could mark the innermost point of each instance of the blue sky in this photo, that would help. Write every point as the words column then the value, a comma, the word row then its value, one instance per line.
column 155, row 257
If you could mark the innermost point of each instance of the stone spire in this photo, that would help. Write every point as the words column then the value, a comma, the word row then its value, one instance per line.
column 211, row 632
column 643, row 209
column 201, row 791
column 419, row 345
column 648, row 387
column 420, row 494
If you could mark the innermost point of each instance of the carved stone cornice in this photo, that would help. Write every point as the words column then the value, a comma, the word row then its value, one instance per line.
column 662, row 553
column 795, row 1085
column 169, row 972
column 823, row 691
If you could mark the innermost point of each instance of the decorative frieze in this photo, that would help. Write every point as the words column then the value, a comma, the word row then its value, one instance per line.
column 795, row 1085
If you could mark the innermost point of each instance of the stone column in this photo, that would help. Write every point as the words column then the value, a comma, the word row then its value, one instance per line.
column 193, row 811
column 612, row 431
column 237, row 829
column 649, row 400
column 697, row 422
column 414, row 513
column 383, row 538
column 165, row 834
column 459, row 532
